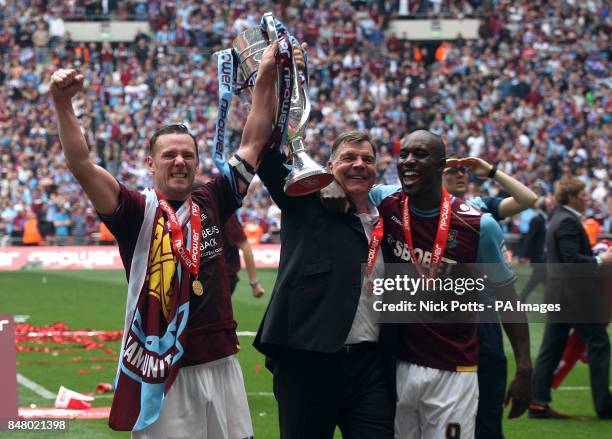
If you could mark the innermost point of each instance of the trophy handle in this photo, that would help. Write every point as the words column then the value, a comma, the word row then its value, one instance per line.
column 270, row 27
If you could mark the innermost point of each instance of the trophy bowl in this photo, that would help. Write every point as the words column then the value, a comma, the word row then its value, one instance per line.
column 306, row 176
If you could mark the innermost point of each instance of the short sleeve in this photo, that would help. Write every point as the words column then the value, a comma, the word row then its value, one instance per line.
column 125, row 222
column 487, row 205
column 381, row 191
column 492, row 253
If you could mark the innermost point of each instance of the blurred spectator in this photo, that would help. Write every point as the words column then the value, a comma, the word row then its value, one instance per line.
column 57, row 28
column 62, row 223
column 40, row 39
column 253, row 232
column 105, row 237
column 592, row 227
column 31, row 234
column 78, row 227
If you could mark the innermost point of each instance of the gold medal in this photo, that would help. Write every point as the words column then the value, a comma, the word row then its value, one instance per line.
column 198, row 288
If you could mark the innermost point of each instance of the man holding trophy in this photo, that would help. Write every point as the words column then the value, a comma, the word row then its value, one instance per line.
column 320, row 339
column 178, row 375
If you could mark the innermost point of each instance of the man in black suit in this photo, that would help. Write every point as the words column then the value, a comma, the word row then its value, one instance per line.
column 319, row 329
column 571, row 282
column 534, row 248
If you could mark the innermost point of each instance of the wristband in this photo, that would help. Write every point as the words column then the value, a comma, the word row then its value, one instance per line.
column 492, row 172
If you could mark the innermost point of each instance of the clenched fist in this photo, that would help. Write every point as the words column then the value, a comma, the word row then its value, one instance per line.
column 65, row 83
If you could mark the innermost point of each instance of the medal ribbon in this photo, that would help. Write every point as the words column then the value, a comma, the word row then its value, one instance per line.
column 441, row 234
column 374, row 246
column 190, row 261
column 280, row 28
column 285, row 77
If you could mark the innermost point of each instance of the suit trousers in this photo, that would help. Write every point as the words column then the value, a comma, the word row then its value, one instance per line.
column 551, row 350
column 317, row 392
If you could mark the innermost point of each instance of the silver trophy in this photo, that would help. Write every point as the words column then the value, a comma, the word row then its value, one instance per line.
column 306, row 176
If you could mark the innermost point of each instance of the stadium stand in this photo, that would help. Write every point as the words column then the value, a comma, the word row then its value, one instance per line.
column 532, row 94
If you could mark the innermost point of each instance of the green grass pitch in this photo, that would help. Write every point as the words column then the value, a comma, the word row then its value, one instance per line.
column 96, row 299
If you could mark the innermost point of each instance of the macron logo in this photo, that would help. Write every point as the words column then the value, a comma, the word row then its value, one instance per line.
column 466, row 209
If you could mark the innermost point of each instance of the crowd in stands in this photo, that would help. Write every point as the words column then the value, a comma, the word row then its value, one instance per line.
column 532, row 93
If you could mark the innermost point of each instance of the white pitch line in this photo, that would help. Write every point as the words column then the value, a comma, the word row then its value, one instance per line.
column 246, row 333
column 35, row 387
column 576, row 388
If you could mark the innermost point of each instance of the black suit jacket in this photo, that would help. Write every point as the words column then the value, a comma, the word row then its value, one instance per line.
column 536, row 238
column 317, row 289
column 572, row 270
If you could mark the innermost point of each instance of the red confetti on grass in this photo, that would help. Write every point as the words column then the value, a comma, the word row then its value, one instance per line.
column 104, row 388
column 58, row 333
column 84, row 371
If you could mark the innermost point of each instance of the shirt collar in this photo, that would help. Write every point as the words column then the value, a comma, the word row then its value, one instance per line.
column 372, row 214
column 574, row 211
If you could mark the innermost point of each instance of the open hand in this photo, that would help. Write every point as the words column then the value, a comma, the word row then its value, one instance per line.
column 478, row 166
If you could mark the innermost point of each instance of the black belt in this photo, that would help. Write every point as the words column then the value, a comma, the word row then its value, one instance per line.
column 349, row 349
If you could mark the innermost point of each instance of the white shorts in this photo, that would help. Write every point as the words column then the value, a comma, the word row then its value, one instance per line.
column 435, row 404
column 207, row 401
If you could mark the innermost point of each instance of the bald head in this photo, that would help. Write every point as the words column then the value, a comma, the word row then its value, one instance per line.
column 420, row 165
column 434, row 142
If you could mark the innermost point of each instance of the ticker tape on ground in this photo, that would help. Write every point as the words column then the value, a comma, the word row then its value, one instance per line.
column 53, row 413
column 82, row 333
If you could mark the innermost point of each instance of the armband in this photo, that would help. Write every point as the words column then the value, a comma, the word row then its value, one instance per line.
column 241, row 169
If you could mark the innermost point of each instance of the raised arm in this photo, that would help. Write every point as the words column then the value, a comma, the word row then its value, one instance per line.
column 260, row 120
column 99, row 185
column 521, row 197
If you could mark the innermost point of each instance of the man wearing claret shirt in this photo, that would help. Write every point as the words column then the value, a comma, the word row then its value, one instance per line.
column 492, row 365
column 437, row 387
column 178, row 311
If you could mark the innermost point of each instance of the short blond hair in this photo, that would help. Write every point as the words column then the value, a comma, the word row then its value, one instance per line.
column 568, row 186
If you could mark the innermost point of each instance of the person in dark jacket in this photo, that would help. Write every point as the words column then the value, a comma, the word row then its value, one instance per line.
column 534, row 248
column 571, row 274
column 319, row 329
